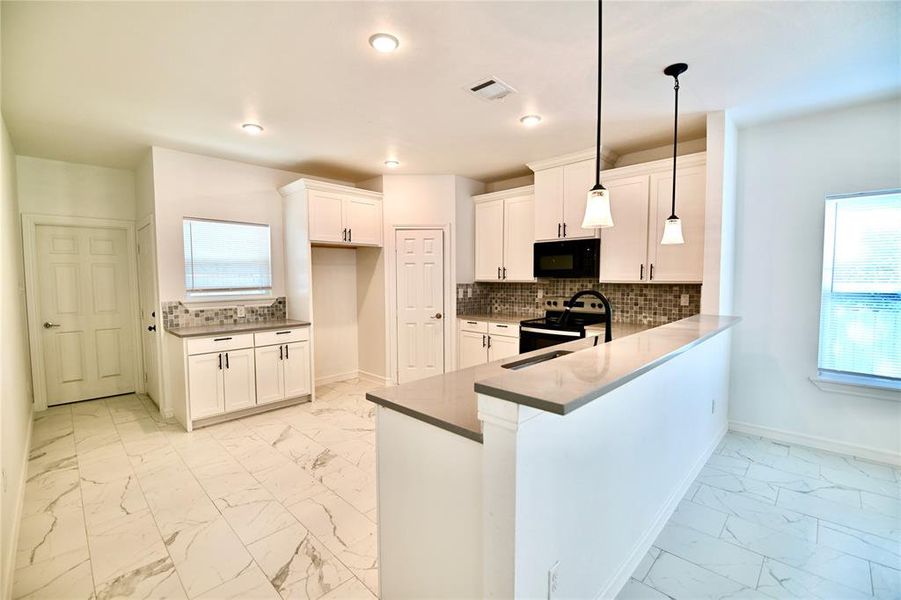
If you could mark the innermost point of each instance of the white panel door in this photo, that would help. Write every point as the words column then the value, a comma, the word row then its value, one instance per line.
column 363, row 220
column 680, row 262
column 148, row 308
column 489, row 240
column 325, row 217
column 205, row 384
column 578, row 179
column 270, row 374
column 472, row 349
column 519, row 237
column 624, row 247
column 84, row 303
column 502, row 347
column 297, row 369
column 420, row 304
column 549, row 204
column 240, row 379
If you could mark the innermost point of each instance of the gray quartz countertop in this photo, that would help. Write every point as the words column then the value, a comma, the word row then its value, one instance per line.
column 207, row 330
column 449, row 401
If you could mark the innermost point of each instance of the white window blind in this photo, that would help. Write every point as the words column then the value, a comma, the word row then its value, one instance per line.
column 226, row 258
column 860, row 312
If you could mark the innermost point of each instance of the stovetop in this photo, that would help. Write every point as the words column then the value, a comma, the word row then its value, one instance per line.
column 587, row 311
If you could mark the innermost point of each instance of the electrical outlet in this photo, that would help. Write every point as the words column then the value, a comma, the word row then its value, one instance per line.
column 469, row 292
column 553, row 581
column 540, row 293
column 683, row 300
column 459, row 293
column 241, row 311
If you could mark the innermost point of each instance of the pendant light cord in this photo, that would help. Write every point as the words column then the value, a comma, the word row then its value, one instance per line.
column 597, row 158
column 675, row 140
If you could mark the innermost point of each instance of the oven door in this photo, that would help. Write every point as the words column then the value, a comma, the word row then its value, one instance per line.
column 535, row 338
column 570, row 259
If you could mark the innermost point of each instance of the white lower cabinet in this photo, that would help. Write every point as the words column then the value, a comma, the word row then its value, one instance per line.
column 235, row 378
column 480, row 342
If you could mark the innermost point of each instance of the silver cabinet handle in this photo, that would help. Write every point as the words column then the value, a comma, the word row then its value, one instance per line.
column 48, row 325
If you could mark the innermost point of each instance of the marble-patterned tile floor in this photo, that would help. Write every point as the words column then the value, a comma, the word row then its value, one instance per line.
column 771, row 520
column 120, row 503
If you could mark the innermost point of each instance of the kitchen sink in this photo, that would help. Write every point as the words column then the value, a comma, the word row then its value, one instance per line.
column 534, row 360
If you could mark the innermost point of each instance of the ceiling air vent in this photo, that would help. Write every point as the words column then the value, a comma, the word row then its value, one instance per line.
column 491, row 89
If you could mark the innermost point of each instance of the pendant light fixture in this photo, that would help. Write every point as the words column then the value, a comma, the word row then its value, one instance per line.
column 672, row 229
column 597, row 206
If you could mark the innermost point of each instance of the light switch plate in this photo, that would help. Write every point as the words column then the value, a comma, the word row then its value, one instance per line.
column 241, row 312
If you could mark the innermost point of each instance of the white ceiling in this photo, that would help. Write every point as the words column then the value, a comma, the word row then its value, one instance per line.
column 100, row 82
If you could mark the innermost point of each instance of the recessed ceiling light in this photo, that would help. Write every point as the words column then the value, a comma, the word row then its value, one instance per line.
column 252, row 128
column 392, row 164
column 384, row 42
column 530, row 120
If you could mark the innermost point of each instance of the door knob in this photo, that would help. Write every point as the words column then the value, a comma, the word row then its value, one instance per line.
column 437, row 316
column 48, row 324
column 151, row 328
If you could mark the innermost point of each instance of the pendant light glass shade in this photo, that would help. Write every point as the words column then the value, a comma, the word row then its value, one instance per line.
column 597, row 209
column 672, row 231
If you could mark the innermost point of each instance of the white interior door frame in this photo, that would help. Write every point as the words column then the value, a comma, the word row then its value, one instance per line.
column 30, row 223
column 450, row 305
column 149, row 221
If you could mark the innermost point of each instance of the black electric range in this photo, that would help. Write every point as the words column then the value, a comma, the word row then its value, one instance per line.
column 548, row 330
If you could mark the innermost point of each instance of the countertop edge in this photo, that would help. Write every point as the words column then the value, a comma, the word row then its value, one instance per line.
column 579, row 401
column 425, row 418
column 263, row 326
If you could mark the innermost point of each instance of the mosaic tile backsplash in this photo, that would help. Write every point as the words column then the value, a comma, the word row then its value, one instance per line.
column 631, row 303
column 176, row 314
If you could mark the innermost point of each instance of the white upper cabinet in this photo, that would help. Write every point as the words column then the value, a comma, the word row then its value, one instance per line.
column 519, row 236
column 578, row 179
column 679, row 262
column 338, row 215
column 326, row 222
column 489, row 240
column 504, row 234
column 549, row 204
column 624, row 247
column 363, row 219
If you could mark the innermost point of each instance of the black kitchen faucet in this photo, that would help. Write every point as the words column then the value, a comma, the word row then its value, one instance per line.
column 608, row 331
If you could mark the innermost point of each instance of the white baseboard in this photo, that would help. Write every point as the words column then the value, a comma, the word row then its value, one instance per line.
column 9, row 562
column 817, row 442
column 625, row 571
column 352, row 375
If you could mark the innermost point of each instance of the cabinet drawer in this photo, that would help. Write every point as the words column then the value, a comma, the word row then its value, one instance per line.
column 281, row 336
column 476, row 326
column 220, row 343
column 507, row 329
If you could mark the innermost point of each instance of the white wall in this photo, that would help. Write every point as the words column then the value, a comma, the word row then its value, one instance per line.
column 190, row 185
column 53, row 187
column 466, row 227
column 144, row 194
column 661, row 152
column 371, row 312
column 719, row 215
column 15, row 368
column 785, row 169
column 334, row 280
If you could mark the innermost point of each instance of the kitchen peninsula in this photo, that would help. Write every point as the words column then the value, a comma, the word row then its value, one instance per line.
column 561, row 464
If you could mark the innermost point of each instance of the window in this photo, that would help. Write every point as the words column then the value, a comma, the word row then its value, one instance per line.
column 860, row 311
column 226, row 259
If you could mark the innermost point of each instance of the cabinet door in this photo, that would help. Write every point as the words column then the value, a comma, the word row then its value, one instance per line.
column 297, row 369
column 624, row 247
column 363, row 220
column 519, row 236
column 549, row 204
column 681, row 262
column 578, row 179
column 325, row 217
column 472, row 348
column 205, row 385
column 270, row 374
column 489, row 240
column 502, row 347
column 240, row 380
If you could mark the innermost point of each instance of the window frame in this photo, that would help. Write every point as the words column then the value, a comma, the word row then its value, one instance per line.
column 208, row 295
column 830, row 380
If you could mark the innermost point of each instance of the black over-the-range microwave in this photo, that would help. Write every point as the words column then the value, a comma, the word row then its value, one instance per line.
column 568, row 259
